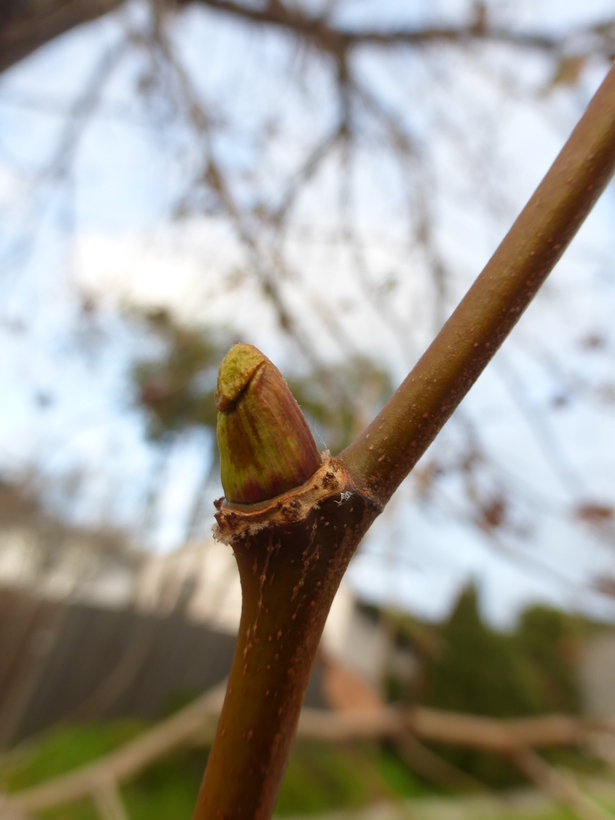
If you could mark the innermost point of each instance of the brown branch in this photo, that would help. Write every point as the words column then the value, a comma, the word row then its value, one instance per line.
column 338, row 41
column 291, row 552
column 392, row 444
column 425, row 762
column 26, row 26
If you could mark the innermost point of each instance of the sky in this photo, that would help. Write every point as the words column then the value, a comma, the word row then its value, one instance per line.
column 87, row 219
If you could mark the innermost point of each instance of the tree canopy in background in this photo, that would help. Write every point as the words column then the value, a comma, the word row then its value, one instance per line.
column 322, row 179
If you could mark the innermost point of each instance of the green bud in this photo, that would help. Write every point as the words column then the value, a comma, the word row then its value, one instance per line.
column 265, row 444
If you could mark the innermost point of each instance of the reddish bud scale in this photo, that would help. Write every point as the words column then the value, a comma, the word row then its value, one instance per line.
column 265, row 444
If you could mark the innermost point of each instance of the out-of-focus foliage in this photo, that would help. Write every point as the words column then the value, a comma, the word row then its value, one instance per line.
column 467, row 666
column 321, row 777
column 62, row 750
column 478, row 670
column 176, row 386
column 550, row 640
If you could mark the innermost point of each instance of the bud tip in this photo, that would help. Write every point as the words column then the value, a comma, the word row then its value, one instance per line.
column 266, row 447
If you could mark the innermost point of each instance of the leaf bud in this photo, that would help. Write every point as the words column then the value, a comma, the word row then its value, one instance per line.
column 266, row 447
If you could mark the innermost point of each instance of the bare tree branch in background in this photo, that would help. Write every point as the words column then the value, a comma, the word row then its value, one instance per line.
column 26, row 25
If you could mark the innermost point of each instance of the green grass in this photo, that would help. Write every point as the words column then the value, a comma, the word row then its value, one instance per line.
column 83, row 810
column 63, row 749
column 168, row 789
column 398, row 778
column 323, row 777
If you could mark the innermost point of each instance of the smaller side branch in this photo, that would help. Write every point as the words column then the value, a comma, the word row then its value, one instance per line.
column 319, row 31
column 108, row 802
column 389, row 448
column 123, row 763
column 193, row 725
column 561, row 788
column 428, row 764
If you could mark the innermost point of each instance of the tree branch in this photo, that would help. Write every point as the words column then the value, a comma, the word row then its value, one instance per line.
column 26, row 26
column 339, row 40
column 392, row 444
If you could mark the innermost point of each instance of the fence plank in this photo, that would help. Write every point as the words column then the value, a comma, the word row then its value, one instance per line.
column 31, row 632
column 105, row 663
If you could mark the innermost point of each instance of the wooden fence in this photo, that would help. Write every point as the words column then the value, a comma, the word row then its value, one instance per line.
column 62, row 661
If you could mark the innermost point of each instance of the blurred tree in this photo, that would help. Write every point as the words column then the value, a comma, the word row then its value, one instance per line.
column 465, row 665
column 479, row 670
column 178, row 389
column 551, row 640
